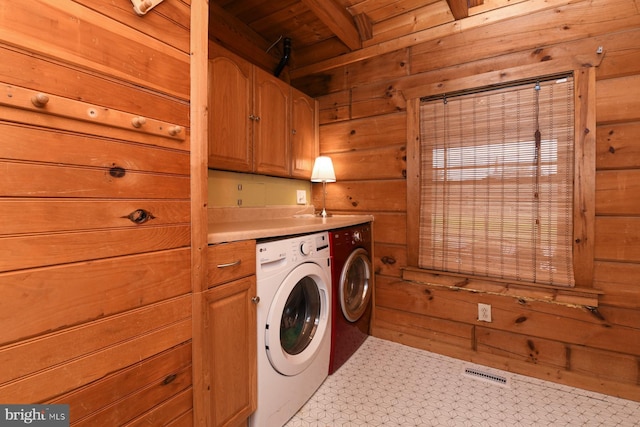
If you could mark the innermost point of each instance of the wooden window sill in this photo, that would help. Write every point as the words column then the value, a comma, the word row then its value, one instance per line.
column 578, row 296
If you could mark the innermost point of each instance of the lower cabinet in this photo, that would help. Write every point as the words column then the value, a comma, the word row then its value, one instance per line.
column 230, row 346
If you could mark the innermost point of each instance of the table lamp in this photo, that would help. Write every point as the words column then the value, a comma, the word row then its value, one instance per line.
column 323, row 172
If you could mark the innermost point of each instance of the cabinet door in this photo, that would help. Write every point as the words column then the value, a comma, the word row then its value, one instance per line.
column 230, row 337
column 230, row 97
column 271, row 130
column 304, row 134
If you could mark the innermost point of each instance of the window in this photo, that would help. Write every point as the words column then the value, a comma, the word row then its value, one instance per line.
column 496, row 189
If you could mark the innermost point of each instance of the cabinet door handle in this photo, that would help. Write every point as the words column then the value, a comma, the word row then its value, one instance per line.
column 255, row 299
column 229, row 264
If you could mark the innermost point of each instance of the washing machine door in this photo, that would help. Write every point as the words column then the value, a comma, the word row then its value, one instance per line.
column 355, row 285
column 298, row 319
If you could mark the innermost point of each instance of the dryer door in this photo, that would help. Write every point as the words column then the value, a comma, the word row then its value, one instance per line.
column 355, row 285
column 298, row 319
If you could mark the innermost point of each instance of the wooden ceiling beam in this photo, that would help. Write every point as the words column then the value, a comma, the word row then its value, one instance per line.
column 338, row 19
column 422, row 36
column 239, row 38
column 459, row 8
column 364, row 25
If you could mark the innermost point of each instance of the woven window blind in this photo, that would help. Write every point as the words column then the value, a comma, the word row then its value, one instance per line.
column 497, row 183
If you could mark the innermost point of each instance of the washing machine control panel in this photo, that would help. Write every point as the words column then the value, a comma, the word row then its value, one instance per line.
column 308, row 245
column 305, row 248
column 278, row 253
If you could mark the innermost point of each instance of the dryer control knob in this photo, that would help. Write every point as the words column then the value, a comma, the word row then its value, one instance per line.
column 305, row 248
column 357, row 237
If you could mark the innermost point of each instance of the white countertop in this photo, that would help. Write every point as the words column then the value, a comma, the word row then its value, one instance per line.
column 260, row 227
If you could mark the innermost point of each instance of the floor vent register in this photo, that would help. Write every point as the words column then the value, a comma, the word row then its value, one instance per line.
column 487, row 376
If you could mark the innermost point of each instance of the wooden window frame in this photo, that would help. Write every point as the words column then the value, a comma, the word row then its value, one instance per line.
column 584, row 185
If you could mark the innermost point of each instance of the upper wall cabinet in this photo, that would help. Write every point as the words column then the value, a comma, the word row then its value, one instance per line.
column 304, row 134
column 230, row 111
column 271, row 130
column 258, row 123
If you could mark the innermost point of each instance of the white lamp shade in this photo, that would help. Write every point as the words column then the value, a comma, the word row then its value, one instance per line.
column 323, row 170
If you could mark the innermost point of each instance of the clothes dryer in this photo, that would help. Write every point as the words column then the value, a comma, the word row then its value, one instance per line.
column 352, row 277
column 293, row 280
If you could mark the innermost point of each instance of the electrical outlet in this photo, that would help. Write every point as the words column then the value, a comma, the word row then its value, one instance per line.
column 484, row 312
column 301, row 197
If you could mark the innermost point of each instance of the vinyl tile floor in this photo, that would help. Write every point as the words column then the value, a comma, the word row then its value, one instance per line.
column 389, row 384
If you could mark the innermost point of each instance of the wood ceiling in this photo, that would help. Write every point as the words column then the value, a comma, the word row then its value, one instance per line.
column 324, row 30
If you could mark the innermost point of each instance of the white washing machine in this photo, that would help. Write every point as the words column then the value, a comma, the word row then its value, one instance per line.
column 294, row 324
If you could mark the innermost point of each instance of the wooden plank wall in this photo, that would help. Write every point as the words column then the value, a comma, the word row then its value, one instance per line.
column 95, row 257
column 363, row 128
